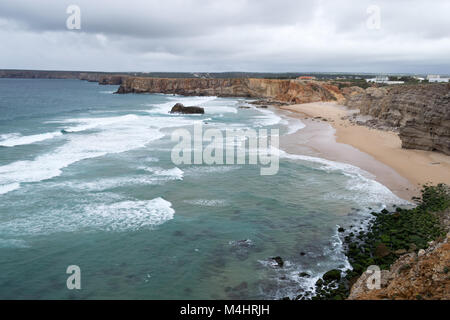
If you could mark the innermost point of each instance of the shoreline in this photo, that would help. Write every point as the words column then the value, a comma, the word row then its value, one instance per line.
column 378, row 152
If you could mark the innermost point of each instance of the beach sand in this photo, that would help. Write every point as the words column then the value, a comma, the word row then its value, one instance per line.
column 377, row 152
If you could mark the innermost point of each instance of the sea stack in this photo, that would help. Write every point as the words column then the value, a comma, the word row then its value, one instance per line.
column 180, row 108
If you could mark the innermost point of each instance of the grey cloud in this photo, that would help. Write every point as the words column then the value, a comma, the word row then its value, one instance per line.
column 221, row 35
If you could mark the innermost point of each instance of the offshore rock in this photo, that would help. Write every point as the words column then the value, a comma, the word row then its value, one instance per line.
column 180, row 108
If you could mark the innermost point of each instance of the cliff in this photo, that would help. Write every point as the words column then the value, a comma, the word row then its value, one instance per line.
column 413, row 276
column 42, row 74
column 100, row 77
column 421, row 112
column 288, row 91
column 111, row 79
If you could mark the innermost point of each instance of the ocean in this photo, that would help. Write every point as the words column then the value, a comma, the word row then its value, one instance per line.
column 87, row 179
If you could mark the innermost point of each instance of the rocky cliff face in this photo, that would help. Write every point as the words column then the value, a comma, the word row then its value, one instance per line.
column 111, row 79
column 289, row 91
column 100, row 77
column 414, row 276
column 422, row 112
column 42, row 74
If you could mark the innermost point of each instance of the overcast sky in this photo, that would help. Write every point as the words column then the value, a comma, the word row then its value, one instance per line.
column 228, row 35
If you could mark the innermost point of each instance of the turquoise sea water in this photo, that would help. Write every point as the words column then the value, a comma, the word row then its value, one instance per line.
column 86, row 179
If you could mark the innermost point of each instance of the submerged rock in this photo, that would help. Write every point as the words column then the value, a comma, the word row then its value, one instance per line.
column 180, row 108
column 246, row 243
column 278, row 260
column 332, row 275
column 304, row 275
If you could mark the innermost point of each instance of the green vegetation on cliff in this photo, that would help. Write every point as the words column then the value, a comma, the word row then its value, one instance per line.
column 390, row 235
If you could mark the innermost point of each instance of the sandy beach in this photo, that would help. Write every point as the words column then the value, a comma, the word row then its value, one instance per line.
column 376, row 151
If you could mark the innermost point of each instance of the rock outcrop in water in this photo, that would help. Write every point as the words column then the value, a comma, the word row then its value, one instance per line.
column 422, row 112
column 288, row 91
column 180, row 108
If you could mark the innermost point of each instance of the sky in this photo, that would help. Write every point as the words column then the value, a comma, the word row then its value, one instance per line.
column 383, row 36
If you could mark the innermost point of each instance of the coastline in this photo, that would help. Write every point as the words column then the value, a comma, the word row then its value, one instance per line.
column 378, row 152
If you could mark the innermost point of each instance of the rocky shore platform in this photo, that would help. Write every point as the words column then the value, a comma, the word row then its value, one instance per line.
column 409, row 247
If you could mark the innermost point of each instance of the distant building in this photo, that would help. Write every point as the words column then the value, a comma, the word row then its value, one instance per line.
column 384, row 79
column 436, row 78
column 307, row 78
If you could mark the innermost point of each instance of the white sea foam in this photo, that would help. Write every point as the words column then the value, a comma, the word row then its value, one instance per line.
column 288, row 278
column 220, row 109
column 369, row 190
column 295, row 125
column 111, row 183
column 117, row 136
column 16, row 139
column 111, row 135
column 5, row 188
column 13, row 243
column 92, row 123
column 117, row 216
column 151, row 159
column 206, row 170
column 7, row 136
column 269, row 118
column 130, row 215
column 207, row 202
column 172, row 174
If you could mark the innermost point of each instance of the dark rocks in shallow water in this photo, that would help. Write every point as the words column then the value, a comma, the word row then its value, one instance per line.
column 304, row 275
column 241, row 248
column 242, row 243
column 279, row 261
column 180, row 108
column 341, row 229
column 243, row 285
column 178, row 233
column 238, row 292
column 332, row 275
column 302, row 253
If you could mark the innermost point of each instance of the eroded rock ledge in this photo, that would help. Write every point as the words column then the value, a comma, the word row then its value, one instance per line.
column 420, row 112
column 288, row 91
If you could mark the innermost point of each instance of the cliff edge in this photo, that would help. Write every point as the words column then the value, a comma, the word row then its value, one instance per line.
column 422, row 275
column 287, row 91
column 420, row 112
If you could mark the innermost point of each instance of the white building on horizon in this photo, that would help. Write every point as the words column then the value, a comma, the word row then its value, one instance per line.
column 436, row 78
column 383, row 79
